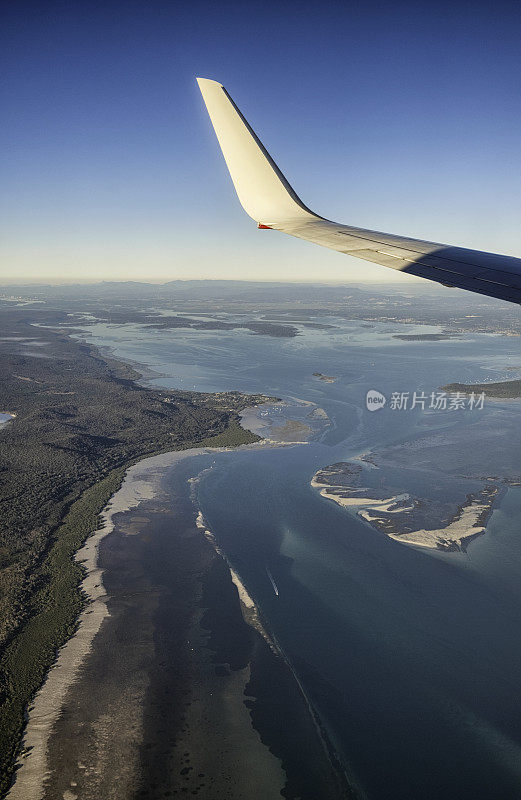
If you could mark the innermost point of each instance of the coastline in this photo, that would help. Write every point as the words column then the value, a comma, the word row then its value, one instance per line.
column 40, row 762
column 63, row 458
column 241, row 680
column 32, row 779
column 36, row 771
column 140, row 482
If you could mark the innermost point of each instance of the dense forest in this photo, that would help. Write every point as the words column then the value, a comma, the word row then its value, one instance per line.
column 81, row 420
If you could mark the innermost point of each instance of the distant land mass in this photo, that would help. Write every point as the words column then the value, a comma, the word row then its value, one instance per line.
column 194, row 290
column 454, row 310
column 502, row 389
column 423, row 337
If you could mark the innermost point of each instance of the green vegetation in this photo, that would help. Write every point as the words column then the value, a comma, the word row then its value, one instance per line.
column 53, row 610
column 233, row 436
column 501, row 389
column 81, row 421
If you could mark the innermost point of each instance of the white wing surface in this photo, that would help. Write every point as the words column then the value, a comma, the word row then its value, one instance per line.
column 268, row 198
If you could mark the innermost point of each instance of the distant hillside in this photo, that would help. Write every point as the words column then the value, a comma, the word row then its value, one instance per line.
column 198, row 290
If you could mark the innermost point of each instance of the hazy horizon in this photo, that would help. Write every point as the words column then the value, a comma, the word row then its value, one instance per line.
column 408, row 282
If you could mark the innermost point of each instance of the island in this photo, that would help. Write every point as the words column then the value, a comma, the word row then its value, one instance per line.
column 423, row 337
column 507, row 390
column 396, row 514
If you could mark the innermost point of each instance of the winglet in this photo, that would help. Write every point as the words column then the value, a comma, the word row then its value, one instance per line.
column 263, row 191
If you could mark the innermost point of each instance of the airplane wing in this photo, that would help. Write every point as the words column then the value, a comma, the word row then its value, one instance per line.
column 268, row 198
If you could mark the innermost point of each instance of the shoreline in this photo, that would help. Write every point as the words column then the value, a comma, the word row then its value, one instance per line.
column 467, row 523
column 52, row 499
column 140, row 482
column 247, row 686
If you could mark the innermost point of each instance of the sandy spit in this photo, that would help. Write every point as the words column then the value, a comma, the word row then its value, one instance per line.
column 465, row 525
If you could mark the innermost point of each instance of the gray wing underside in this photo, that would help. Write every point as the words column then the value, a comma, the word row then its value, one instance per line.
column 485, row 273
column 268, row 198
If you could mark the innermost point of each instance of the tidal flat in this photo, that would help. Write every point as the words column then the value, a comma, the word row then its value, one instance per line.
column 166, row 687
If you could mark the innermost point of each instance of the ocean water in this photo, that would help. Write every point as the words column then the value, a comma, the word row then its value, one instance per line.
column 412, row 658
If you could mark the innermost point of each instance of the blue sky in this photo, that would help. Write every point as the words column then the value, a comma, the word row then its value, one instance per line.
column 403, row 117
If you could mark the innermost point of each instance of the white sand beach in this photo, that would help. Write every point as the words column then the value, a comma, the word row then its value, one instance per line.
column 141, row 482
column 464, row 526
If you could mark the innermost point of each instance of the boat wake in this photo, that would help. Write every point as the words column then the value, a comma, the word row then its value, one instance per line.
column 272, row 580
